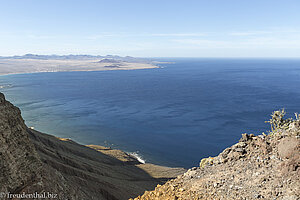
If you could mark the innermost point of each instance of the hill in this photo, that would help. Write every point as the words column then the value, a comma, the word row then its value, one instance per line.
column 257, row 167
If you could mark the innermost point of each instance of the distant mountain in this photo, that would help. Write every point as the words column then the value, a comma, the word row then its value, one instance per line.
column 109, row 58
column 48, row 57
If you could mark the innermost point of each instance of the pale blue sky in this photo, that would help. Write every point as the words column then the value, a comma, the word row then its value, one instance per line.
column 151, row 28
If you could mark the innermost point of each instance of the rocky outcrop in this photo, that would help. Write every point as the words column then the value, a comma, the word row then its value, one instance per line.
column 21, row 169
column 19, row 162
column 257, row 167
column 33, row 162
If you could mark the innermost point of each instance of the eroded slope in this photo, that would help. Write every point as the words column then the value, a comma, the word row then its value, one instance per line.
column 257, row 167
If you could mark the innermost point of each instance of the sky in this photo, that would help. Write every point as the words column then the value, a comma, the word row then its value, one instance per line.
column 151, row 28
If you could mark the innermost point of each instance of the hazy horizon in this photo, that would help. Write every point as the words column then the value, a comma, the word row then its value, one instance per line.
column 231, row 29
column 104, row 55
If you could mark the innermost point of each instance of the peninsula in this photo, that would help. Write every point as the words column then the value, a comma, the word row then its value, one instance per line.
column 31, row 63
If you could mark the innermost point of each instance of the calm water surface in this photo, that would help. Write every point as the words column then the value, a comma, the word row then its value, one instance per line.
column 174, row 115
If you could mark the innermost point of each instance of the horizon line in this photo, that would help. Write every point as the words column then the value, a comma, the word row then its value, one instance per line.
column 203, row 57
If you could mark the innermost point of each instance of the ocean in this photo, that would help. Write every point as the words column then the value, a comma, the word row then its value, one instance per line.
column 187, row 109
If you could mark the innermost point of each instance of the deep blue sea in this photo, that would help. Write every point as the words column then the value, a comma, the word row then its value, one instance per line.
column 174, row 115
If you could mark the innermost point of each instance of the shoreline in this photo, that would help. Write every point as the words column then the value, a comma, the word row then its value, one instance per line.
column 120, row 154
column 155, row 170
column 31, row 66
column 39, row 72
column 129, row 67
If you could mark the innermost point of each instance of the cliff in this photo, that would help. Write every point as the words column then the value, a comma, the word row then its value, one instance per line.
column 31, row 162
column 257, row 167
column 21, row 169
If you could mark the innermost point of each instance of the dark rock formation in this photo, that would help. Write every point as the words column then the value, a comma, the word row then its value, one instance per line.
column 21, row 169
column 19, row 162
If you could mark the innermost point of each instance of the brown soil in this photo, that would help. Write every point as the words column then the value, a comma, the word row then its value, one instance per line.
column 257, row 167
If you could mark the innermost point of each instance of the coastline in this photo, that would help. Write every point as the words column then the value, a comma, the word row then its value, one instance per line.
column 156, row 171
column 93, row 66
column 30, row 66
column 128, row 66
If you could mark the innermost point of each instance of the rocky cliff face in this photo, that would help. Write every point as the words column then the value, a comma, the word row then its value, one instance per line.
column 33, row 162
column 21, row 169
column 19, row 162
column 257, row 167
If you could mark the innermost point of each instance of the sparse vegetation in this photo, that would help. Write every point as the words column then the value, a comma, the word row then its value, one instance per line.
column 206, row 161
column 278, row 123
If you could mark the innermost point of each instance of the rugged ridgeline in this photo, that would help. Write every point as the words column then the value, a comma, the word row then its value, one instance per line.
column 31, row 162
column 257, row 167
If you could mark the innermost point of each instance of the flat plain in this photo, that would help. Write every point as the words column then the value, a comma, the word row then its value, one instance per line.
column 17, row 66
